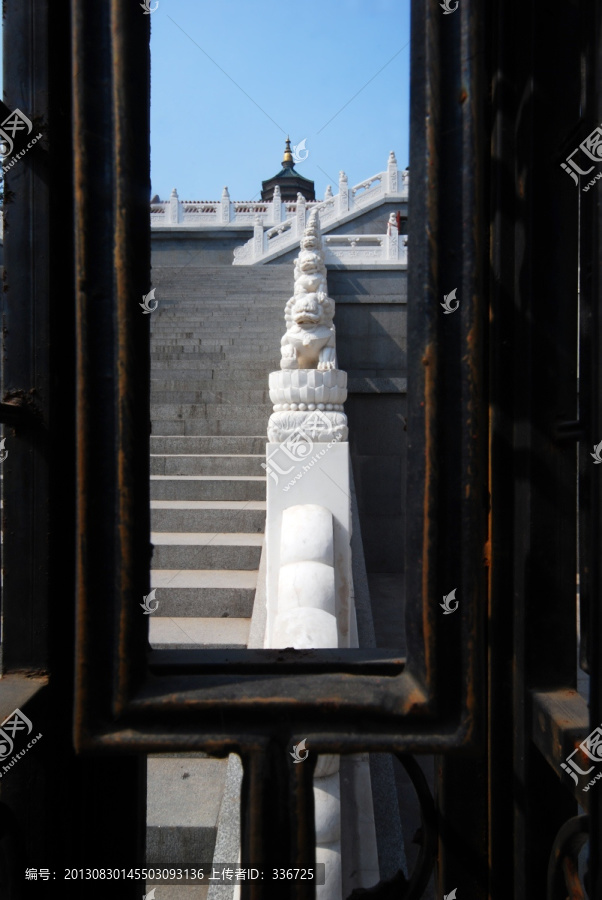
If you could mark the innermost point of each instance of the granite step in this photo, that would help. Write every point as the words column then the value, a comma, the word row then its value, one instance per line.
column 188, row 411
column 198, row 427
column 184, row 795
column 206, row 550
column 207, row 464
column 193, row 633
column 168, row 396
column 202, row 320
column 210, row 444
column 207, row 487
column 167, row 365
column 231, row 516
column 210, row 342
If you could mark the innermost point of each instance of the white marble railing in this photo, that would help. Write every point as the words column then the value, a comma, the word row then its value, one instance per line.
column 380, row 249
column 226, row 212
column 340, row 249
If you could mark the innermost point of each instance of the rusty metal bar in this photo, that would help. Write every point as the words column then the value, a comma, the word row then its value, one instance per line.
column 447, row 411
column 112, row 184
column 591, row 520
column 543, row 105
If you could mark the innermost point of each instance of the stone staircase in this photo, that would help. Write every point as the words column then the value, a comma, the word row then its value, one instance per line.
column 215, row 336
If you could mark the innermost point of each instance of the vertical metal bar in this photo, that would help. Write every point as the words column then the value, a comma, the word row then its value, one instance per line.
column 501, row 459
column 63, row 806
column 26, row 308
column 131, row 114
column 111, row 134
column 447, row 420
column 544, row 395
column 277, row 820
column 112, row 264
column 591, row 269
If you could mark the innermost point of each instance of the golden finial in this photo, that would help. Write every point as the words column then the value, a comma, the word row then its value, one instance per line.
column 287, row 160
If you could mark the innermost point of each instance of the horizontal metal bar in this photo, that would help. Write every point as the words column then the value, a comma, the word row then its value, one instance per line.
column 17, row 690
column 242, row 736
column 275, row 662
column 559, row 722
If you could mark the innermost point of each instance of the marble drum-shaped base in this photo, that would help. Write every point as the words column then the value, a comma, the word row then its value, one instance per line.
column 308, row 389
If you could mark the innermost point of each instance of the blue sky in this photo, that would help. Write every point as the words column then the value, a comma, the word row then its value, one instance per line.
column 230, row 79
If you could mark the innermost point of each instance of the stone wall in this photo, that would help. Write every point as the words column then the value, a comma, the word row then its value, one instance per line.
column 371, row 340
column 185, row 247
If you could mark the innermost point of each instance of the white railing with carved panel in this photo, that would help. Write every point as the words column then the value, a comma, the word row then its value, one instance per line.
column 268, row 243
column 226, row 212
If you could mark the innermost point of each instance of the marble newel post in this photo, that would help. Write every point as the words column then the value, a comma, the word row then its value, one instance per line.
column 308, row 527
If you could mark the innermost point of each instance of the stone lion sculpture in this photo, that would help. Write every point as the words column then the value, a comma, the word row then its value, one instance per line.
column 309, row 342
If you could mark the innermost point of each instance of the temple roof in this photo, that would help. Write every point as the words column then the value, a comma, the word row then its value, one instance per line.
column 288, row 179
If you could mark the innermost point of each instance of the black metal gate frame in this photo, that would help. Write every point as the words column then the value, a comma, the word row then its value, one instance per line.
column 254, row 704
column 74, row 339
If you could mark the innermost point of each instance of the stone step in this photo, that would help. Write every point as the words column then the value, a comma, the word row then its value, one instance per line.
column 210, row 444
column 184, row 796
column 209, row 341
column 223, row 280
column 232, row 359
column 211, row 295
column 236, row 314
column 208, row 516
column 228, row 388
column 207, row 487
column 176, row 351
column 207, row 427
column 189, row 380
column 203, row 322
column 207, row 464
column 167, row 337
column 197, row 379
column 207, row 410
column 193, row 633
column 227, row 277
column 185, row 366
column 211, row 389
column 163, row 396
column 242, row 317
column 206, row 550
